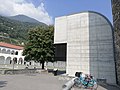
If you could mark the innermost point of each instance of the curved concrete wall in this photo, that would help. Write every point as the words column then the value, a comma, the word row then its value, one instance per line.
column 89, row 39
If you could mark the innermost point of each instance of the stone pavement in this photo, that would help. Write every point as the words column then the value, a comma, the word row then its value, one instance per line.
column 30, row 82
column 101, row 86
column 108, row 87
column 42, row 81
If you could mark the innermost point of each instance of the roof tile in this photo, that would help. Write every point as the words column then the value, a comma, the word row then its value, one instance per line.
column 10, row 46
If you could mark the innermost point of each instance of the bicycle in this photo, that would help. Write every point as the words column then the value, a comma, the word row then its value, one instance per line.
column 85, row 82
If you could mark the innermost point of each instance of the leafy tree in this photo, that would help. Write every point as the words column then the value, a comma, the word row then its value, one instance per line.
column 40, row 46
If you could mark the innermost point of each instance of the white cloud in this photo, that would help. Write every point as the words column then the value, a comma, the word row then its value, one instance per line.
column 15, row 7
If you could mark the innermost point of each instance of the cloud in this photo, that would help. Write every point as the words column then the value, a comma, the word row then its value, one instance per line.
column 15, row 7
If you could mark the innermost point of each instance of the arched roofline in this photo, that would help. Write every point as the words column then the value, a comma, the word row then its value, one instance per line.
column 102, row 16
column 95, row 13
column 98, row 14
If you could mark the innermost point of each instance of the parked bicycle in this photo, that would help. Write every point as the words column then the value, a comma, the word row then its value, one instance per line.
column 85, row 81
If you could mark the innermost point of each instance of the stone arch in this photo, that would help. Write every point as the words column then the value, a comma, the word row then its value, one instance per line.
column 20, row 61
column 3, row 50
column 8, row 52
column 12, row 52
column 8, row 60
column 16, row 53
column 24, row 62
column 2, row 59
column 30, row 63
column 15, row 60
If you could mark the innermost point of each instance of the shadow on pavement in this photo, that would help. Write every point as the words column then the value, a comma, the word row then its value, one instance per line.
column 109, row 87
column 59, row 72
column 3, row 83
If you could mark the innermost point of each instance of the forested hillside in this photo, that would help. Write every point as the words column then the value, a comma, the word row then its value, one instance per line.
column 15, row 29
column 24, row 18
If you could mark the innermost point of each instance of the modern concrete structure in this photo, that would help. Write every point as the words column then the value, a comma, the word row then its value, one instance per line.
column 88, row 37
column 9, row 52
column 116, row 22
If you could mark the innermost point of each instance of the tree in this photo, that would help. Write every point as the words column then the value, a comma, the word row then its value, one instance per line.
column 40, row 46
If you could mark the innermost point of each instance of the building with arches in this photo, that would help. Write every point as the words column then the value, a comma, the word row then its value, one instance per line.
column 9, row 52
column 85, row 40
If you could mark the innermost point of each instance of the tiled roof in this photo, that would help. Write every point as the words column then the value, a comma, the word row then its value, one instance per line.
column 7, row 45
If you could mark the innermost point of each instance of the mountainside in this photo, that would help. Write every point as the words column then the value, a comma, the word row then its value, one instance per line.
column 24, row 18
column 16, row 29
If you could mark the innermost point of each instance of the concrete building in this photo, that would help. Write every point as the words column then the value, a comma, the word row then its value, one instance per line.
column 116, row 22
column 9, row 52
column 85, row 41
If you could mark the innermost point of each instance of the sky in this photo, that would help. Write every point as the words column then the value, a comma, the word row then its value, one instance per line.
column 46, row 10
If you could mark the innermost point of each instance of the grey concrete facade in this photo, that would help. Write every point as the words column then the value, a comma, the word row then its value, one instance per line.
column 89, row 39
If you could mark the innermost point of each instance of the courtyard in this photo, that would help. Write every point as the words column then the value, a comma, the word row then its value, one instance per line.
column 42, row 81
column 30, row 82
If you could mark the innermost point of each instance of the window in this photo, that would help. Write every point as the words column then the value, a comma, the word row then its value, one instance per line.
column 16, row 53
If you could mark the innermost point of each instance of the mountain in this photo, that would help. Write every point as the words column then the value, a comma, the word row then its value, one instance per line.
column 24, row 18
column 16, row 29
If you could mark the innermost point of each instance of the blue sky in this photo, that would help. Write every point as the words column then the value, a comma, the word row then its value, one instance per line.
column 46, row 10
column 57, row 8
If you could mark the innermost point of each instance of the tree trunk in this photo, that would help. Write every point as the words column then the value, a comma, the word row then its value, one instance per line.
column 42, row 64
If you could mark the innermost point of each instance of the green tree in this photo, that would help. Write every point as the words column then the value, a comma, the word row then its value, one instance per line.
column 40, row 46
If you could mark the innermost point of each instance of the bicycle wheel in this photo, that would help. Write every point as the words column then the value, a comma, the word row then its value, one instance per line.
column 95, row 87
column 77, row 83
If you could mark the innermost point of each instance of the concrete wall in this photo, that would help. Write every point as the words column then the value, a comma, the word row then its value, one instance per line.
column 101, row 50
column 89, row 39
column 77, row 43
column 58, row 64
column 60, row 30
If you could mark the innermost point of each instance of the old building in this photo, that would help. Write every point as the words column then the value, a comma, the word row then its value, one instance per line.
column 116, row 22
column 9, row 52
column 85, row 41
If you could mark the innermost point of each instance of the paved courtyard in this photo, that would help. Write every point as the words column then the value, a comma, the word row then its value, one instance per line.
column 30, row 82
column 43, row 81
column 106, row 87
